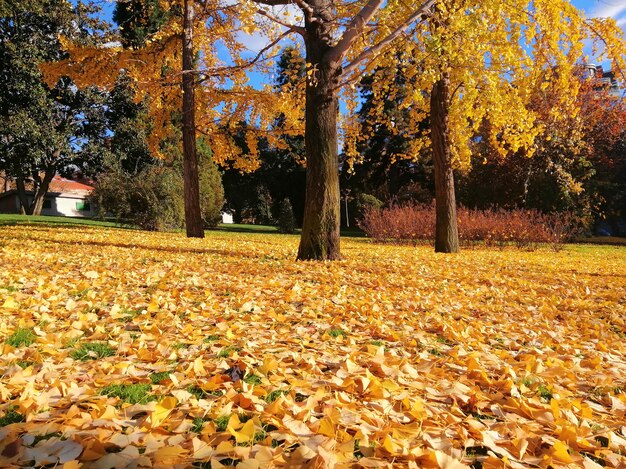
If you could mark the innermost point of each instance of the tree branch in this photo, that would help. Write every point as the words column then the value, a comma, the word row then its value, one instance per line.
column 291, row 27
column 206, row 74
column 356, row 27
column 421, row 11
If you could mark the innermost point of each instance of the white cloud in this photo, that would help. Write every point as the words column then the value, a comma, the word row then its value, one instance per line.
column 610, row 8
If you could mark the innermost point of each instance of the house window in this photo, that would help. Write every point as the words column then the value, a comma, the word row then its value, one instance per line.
column 47, row 203
column 83, row 206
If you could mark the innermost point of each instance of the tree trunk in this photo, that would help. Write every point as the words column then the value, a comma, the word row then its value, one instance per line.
column 446, row 231
column 320, row 228
column 21, row 193
column 41, row 188
column 191, row 185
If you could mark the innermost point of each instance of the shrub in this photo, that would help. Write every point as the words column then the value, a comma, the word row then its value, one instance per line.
column 495, row 227
column 286, row 218
column 152, row 197
column 365, row 202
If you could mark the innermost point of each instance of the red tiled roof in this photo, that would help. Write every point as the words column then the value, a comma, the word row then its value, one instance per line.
column 59, row 184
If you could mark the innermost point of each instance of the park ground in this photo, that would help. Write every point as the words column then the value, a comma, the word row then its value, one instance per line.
column 128, row 348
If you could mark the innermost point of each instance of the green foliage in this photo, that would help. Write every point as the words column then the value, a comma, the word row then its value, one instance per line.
column 152, row 197
column 273, row 395
column 198, row 424
column 46, row 130
column 252, row 379
column 138, row 20
column 159, row 377
column 336, row 332
column 286, row 218
column 365, row 202
column 131, row 393
column 221, row 423
column 21, row 338
column 92, row 350
column 211, row 188
column 11, row 416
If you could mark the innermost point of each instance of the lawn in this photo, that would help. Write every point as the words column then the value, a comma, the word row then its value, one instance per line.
column 122, row 347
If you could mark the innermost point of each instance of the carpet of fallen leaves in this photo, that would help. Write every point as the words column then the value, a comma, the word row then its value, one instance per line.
column 394, row 357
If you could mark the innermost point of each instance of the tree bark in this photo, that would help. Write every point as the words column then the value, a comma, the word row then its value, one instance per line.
column 446, row 230
column 320, row 228
column 21, row 193
column 41, row 188
column 191, row 185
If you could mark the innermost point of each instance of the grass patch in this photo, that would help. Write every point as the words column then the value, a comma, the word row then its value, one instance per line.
column 252, row 379
column 273, row 395
column 92, row 351
column 47, row 436
column 544, row 392
column 11, row 416
column 336, row 332
column 197, row 424
column 16, row 219
column 226, row 351
column 159, row 377
column 200, row 393
column 221, row 423
column 25, row 363
column 131, row 393
column 21, row 337
column 212, row 338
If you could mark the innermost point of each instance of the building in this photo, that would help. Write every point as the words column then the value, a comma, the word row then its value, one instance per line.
column 65, row 198
column 606, row 79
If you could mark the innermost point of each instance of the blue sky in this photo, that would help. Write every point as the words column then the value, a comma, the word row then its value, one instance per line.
column 604, row 8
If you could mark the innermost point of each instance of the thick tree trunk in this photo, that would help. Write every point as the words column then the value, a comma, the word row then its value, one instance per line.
column 446, row 231
column 21, row 193
column 193, row 215
column 320, row 227
column 41, row 188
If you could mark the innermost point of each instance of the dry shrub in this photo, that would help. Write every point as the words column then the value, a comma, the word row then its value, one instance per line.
column 494, row 227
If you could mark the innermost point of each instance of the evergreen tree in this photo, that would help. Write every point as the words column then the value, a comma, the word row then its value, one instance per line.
column 45, row 130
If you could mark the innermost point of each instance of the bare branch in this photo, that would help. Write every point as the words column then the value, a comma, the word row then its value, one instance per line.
column 420, row 12
column 206, row 74
column 273, row 3
column 291, row 27
column 356, row 27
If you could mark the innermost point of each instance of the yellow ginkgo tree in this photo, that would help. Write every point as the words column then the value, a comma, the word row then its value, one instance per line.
column 482, row 62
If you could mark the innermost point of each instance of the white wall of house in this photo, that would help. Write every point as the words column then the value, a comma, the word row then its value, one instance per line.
column 68, row 205
column 227, row 217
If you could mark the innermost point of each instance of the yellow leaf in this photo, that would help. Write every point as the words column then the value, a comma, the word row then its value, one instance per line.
column 559, row 452
column 162, row 410
column 246, row 434
column 10, row 303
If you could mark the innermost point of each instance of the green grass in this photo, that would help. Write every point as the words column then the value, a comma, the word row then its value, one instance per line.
column 159, row 376
column 16, row 219
column 212, row 338
column 544, row 392
column 21, row 337
column 273, row 395
column 336, row 332
column 226, row 351
column 221, row 423
column 92, row 350
column 252, row 379
column 131, row 393
column 11, row 416
column 200, row 393
column 197, row 424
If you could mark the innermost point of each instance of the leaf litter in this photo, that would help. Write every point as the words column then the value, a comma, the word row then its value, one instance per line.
column 153, row 350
